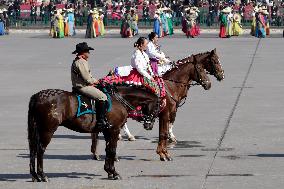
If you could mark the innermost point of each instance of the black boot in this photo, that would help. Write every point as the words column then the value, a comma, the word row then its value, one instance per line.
column 101, row 109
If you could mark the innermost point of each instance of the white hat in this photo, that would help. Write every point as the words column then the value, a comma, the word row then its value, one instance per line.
column 100, row 10
column 195, row 8
column 186, row 9
column 1, row 11
column 70, row 10
column 4, row 10
column 227, row 10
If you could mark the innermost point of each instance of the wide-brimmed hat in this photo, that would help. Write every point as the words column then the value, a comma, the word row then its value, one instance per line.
column 101, row 10
column 4, row 10
column 70, row 10
column 1, row 11
column 82, row 47
column 227, row 10
column 195, row 8
column 187, row 9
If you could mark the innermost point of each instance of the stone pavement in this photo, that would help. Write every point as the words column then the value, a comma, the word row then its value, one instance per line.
column 229, row 137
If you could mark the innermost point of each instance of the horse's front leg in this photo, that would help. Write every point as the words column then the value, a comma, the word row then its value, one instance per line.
column 111, row 138
column 163, row 136
column 95, row 143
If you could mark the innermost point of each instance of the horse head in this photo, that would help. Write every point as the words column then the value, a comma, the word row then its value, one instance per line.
column 213, row 65
column 200, row 75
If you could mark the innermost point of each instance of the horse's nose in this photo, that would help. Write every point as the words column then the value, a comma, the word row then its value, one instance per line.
column 207, row 85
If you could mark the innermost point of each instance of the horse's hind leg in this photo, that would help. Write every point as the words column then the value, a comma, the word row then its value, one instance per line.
column 35, row 177
column 127, row 133
column 43, row 142
column 111, row 138
column 172, row 138
column 95, row 143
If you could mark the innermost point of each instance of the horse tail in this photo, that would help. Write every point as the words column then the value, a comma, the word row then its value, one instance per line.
column 33, row 136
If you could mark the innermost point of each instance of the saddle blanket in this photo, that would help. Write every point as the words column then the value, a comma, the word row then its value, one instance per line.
column 85, row 105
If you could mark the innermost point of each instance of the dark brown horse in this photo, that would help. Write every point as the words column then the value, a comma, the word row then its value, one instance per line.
column 51, row 108
column 178, row 81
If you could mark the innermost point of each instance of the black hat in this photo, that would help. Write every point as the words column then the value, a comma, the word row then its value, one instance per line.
column 82, row 47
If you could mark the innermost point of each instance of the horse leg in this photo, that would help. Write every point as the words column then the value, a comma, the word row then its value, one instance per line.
column 33, row 142
column 172, row 138
column 111, row 138
column 163, row 136
column 44, row 140
column 95, row 143
column 35, row 177
column 127, row 132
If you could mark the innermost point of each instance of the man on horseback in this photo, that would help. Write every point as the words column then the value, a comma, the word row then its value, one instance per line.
column 84, row 82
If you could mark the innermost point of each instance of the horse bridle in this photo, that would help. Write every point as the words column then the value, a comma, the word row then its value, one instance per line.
column 214, row 67
column 198, row 74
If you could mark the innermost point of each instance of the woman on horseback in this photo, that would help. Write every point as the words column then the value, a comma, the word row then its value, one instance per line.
column 83, row 81
column 141, row 72
column 157, row 57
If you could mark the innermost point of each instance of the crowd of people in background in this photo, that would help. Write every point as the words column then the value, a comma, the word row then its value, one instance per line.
column 62, row 23
column 94, row 14
column 95, row 24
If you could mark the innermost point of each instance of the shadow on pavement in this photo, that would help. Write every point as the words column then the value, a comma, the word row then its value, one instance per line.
column 268, row 155
column 16, row 177
column 75, row 157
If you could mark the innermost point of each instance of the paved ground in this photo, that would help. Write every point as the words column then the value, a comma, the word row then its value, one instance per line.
column 229, row 137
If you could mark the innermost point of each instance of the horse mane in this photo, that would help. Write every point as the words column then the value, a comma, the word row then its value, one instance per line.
column 183, row 62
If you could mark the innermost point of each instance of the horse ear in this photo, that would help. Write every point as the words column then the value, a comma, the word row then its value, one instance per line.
column 213, row 51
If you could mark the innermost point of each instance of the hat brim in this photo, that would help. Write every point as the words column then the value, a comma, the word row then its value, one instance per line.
column 85, row 50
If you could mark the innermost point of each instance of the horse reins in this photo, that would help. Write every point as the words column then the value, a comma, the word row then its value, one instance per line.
column 188, row 85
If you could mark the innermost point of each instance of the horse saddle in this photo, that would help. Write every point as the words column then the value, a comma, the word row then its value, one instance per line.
column 86, row 105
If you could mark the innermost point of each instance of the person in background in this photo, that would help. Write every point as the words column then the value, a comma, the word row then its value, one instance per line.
column 33, row 14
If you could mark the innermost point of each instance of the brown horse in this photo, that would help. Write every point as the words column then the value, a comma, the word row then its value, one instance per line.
column 174, row 80
column 178, row 80
column 212, row 65
column 51, row 108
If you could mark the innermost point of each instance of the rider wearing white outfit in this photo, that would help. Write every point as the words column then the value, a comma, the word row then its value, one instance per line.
column 158, row 59
column 140, row 61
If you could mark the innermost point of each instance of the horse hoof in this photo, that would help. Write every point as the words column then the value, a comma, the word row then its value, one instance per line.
column 96, row 157
column 169, row 159
column 35, row 179
column 131, row 138
column 110, row 176
column 45, row 179
column 116, row 159
column 117, row 177
column 163, row 159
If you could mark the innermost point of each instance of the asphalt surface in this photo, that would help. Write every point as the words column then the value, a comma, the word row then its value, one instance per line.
column 229, row 137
